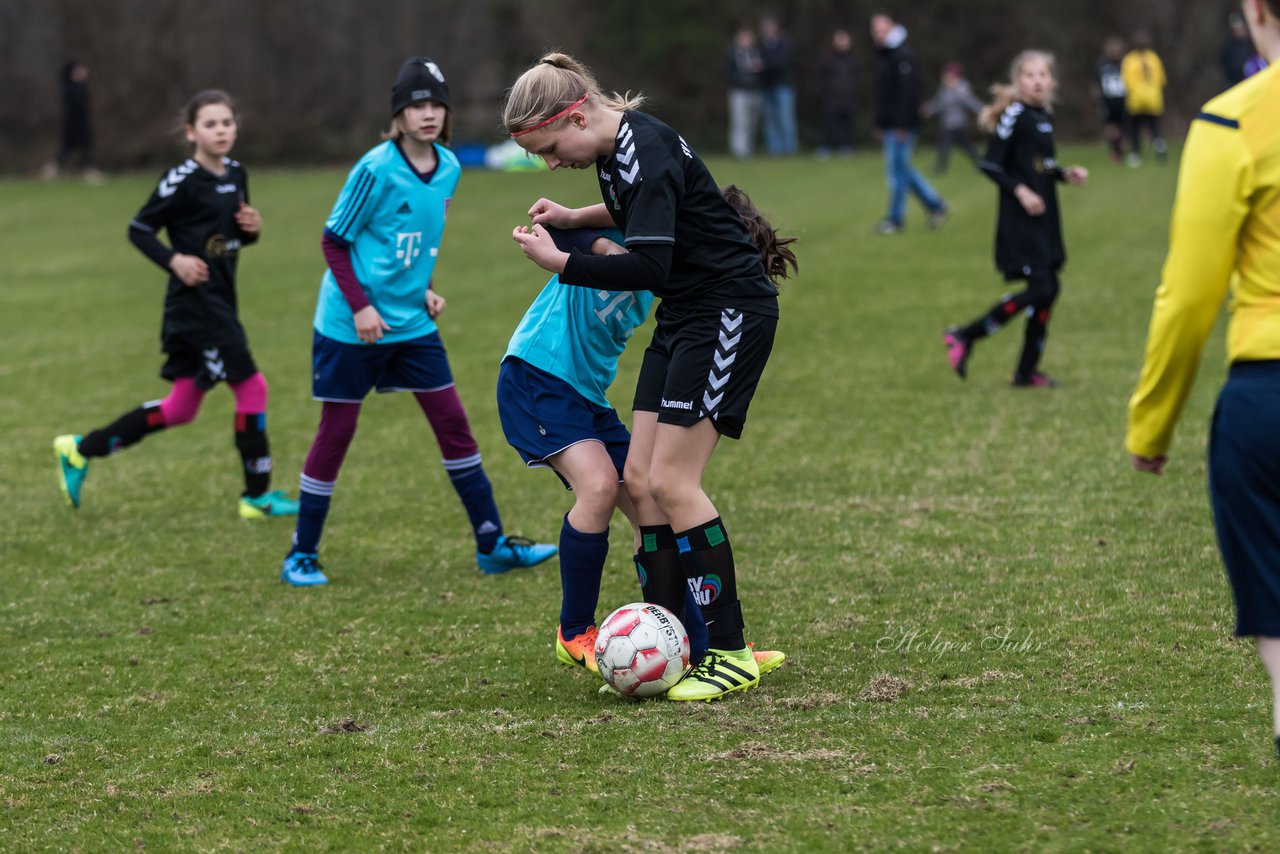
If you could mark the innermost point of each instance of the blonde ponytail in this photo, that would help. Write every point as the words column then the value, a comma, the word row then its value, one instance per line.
column 557, row 82
column 1002, row 95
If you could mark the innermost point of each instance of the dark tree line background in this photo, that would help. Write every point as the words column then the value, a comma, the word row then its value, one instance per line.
column 313, row 76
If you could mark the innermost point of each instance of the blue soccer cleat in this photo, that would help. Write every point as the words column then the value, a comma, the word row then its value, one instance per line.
column 72, row 467
column 302, row 569
column 514, row 553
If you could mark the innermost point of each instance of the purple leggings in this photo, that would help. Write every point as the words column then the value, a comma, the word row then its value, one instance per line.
column 338, row 427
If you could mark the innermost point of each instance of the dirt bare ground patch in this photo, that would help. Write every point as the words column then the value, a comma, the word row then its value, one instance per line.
column 883, row 688
column 345, row 725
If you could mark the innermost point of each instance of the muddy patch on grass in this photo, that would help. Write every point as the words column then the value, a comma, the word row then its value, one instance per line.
column 884, row 688
column 343, row 726
column 753, row 751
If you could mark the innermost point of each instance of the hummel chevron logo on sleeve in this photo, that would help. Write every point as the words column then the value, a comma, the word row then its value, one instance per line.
column 626, row 153
column 169, row 183
column 1008, row 119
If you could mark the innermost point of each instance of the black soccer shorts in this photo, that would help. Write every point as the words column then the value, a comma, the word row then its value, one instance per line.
column 209, row 366
column 704, row 363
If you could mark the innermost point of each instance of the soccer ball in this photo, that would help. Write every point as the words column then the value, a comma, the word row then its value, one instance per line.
column 642, row 650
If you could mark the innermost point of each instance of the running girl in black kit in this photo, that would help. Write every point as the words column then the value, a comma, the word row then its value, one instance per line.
column 715, row 328
column 1021, row 160
column 203, row 204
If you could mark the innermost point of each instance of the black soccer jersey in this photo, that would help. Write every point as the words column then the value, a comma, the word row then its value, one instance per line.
column 660, row 193
column 197, row 209
column 1021, row 151
column 1110, row 81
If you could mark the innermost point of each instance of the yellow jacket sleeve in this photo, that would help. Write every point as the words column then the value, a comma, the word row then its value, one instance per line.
column 1211, row 205
column 1129, row 72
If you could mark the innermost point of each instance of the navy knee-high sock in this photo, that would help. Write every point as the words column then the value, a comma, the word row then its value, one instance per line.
column 476, row 493
column 695, row 626
column 582, row 558
column 313, row 507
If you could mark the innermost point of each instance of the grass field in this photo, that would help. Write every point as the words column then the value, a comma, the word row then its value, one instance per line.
column 999, row 636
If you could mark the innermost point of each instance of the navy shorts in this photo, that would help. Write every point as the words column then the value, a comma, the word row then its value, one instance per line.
column 542, row 415
column 346, row 373
column 1244, row 489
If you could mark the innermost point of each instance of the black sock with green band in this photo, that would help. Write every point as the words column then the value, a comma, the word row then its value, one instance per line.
column 661, row 577
column 707, row 559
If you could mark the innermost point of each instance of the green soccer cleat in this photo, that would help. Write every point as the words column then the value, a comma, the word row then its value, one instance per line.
column 579, row 650
column 273, row 503
column 72, row 467
column 719, row 673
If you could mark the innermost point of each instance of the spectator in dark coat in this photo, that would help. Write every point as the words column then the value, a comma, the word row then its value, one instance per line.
column 77, row 130
column 837, row 91
column 897, row 124
column 780, row 135
column 1236, row 51
column 742, row 67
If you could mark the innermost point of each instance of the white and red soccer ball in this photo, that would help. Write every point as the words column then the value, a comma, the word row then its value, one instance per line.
column 642, row 650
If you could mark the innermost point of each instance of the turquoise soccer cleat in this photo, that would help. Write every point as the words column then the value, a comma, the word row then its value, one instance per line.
column 72, row 467
column 302, row 569
column 273, row 503
column 514, row 553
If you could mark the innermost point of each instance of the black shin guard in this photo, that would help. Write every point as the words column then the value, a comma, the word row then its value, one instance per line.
column 707, row 559
column 251, row 442
column 128, row 429
column 661, row 577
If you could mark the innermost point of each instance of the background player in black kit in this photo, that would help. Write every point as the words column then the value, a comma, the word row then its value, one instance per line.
column 715, row 328
column 1021, row 160
column 1108, row 88
column 203, row 204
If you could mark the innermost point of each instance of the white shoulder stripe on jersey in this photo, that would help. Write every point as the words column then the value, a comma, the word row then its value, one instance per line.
column 649, row 238
column 1008, row 119
column 133, row 223
column 169, row 183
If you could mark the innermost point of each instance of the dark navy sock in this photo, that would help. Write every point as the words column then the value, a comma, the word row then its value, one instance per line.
column 313, row 507
column 476, row 493
column 695, row 627
column 582, row 559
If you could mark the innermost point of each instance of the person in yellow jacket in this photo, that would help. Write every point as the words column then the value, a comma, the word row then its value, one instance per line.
column 1144, row 82
column 1225, row 236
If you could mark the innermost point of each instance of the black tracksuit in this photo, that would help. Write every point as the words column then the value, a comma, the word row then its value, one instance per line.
column 1021, row 152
